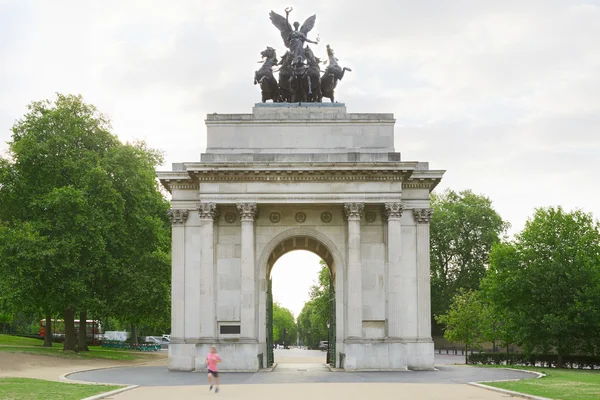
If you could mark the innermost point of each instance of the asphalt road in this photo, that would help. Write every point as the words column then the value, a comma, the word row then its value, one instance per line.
column 301, row 372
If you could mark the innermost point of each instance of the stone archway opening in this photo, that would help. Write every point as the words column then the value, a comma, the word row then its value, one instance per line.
column 300, row 242
column 292, row 278
column 293, row 265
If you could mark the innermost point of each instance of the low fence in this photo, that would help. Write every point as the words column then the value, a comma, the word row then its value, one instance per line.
column 537, row 360
column 118, row 345
column 452, row 350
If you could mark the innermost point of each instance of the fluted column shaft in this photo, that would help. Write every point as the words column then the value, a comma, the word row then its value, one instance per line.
column 422, row 218
column 397, row 306
column 207, row 212
column 353, row 213
column 178, row 219
column 248, row 213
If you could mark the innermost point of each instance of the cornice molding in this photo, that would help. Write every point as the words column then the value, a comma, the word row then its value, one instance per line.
column 295, row 176
column 186, row 186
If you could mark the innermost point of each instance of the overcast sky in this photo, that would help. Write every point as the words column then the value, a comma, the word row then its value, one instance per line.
column 504, row 95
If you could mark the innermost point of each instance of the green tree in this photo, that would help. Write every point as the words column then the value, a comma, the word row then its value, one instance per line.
column 548, row 281
column 58, row 188
column 466, row 320
column 304, row 332
column 140, row 291
column 284, row 326
column 24, row 260
column 6, row 312
column 464, row 226
column 85, row 223
column 504, row 323
column 313, row 319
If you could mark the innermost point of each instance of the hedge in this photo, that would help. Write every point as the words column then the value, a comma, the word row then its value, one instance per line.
column 537, row 360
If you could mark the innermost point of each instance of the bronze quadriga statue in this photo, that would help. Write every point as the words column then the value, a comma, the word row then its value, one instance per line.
column 300, row 77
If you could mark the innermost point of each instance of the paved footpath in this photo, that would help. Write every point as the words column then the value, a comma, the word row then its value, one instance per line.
column 300, row 378
column 317, row 391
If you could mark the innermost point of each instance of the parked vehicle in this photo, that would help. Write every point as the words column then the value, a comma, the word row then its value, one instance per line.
column 93, row 330
column 323, row 345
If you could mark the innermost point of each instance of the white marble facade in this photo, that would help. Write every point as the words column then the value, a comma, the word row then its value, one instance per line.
column 294, row 176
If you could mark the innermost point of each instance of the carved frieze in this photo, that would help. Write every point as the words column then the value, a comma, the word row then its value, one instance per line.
column 326, row 217
column 274, row 217
column 230, row 217
column 370, row 216
column 300, row 217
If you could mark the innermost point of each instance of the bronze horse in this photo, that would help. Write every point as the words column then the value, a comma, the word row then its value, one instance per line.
column 264, row 76
column 314, row 76
column 285, row 77
column 333, row 74
column 300, row 83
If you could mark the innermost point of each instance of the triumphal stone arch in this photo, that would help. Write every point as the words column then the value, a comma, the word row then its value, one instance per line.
column 301, row 176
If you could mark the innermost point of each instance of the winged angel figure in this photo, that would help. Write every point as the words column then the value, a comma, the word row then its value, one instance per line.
column 294, row 39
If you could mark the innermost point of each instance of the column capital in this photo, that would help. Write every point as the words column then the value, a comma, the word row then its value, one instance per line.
column 392, row 210
column 422, row 215
column 353, row 210
column 248, row 211
column 178, row 216
column 208, row 210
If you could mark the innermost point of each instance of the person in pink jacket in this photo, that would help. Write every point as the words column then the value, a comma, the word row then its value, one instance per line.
column 212, row 360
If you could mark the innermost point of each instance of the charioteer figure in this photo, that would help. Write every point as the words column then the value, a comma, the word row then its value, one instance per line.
column 294, row 39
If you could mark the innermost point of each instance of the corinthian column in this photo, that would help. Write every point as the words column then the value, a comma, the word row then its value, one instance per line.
column 397, row 306
column 207, row 212
column 178, row 218
column 422, row 218
column 353, row 213
column 248, row 312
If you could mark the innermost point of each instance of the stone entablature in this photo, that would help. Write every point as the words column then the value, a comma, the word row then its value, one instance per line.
column 302, row 172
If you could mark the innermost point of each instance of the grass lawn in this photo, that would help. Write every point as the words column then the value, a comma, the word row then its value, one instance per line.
column 9, row 340
column 14, row 344
column 27, row 389
column 563, row 384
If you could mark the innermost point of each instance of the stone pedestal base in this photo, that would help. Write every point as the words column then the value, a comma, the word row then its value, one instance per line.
column 182, row 357
column 375, row 356
column 389, row 356
column 420, row 355
column 237, row 357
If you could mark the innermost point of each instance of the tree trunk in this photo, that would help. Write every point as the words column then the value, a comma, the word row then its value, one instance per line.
column 48, row 332
column 134, row 338
column 559, row 362
column 70, row 342
column 83, row 331
column 466, row 354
